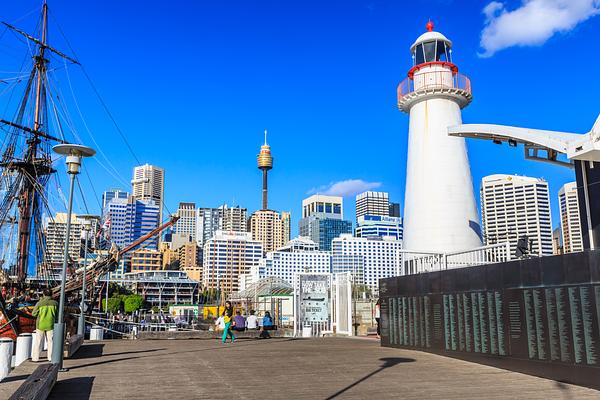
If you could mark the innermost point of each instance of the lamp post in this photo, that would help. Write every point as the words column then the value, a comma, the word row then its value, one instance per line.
column 87, row 226
column 74, row 153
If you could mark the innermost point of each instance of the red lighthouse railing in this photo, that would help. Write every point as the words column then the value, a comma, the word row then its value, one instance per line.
column 434, row 80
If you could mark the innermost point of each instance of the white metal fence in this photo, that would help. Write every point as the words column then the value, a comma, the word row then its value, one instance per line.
column 418, row 262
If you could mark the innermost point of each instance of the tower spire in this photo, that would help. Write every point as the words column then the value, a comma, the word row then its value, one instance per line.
column 265, row 163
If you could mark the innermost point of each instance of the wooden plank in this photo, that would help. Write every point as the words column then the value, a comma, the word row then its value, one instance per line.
column 38, row 385
column 72, row 344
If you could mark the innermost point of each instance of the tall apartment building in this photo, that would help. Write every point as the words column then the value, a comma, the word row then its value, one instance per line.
column 380, row 257
column 234, row 219
column 131, row 219
column 208, row 221
column 372, row 203
column 322, row 220
column 379, row 226
column 56, row 232
column 187, row 222
column 514, row 206
column 297, row 256
column 572, row 238
column 270, row 228
column 226, row 257
column 188, row 255
column 110, row 194
column 148, row 183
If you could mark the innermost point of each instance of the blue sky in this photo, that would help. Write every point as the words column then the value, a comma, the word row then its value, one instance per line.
column 193, row 85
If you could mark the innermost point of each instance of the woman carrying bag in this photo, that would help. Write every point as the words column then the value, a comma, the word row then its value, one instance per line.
column 227, row 319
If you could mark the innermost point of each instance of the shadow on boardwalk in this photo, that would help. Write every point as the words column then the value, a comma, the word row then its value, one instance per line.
column 387, row 363
column 73, row 389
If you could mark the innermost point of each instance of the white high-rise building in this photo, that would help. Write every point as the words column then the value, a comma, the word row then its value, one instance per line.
column 226, row 257
column 186, row 224
column 516, row 206
column 381, row 257
column 372, row 203
column 323, row 206
column 572, row 238
column 56, row 231
column 378, row 226
column 297, row 256
column 208, row 221
column 440, row 213
column 148, row 183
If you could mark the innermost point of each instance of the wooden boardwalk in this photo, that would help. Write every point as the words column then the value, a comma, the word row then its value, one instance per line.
column 288, row 368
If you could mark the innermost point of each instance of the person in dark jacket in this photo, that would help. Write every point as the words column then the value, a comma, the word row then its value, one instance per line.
column 227, row 319
column 267, row 325
column 45, row 312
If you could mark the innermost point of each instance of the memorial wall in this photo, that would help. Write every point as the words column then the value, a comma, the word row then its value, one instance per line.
column 538, row 316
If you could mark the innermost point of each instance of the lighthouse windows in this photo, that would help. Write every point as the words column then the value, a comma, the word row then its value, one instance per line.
column 429, row 49
column 436, row 50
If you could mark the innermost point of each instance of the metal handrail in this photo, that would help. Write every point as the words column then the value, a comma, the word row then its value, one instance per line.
column 428, row 262
column 431, row 80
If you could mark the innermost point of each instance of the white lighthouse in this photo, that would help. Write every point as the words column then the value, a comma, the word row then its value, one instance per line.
column 439, row 206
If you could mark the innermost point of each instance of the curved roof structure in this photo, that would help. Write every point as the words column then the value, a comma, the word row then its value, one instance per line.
column 430, row 37
column 265, row 287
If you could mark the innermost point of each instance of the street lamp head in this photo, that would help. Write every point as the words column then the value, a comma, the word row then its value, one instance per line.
column 74, row 153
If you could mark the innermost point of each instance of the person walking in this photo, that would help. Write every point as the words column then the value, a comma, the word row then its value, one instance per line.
column 227, row 319
column 45, row 312
column 378, row 317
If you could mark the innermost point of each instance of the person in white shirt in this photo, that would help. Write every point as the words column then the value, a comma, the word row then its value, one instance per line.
column 252, row 321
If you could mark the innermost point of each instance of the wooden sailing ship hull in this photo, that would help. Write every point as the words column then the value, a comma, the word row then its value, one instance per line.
column 24, row 322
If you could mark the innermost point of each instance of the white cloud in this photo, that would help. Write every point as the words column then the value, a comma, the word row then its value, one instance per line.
column 349, row 187
column 533, row 23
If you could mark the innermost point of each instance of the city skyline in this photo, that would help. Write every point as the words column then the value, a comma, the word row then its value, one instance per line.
column 356, row 98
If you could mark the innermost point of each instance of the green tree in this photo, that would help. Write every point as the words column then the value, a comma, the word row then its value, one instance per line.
column 114, row 304
column 133, row 302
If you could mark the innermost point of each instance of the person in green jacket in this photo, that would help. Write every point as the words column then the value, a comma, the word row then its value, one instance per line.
column 45, row 312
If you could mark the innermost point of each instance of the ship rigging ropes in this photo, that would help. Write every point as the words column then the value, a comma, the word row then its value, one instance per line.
column 30, row 188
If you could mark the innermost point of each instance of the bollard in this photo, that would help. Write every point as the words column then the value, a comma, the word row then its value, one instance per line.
column 6, row 352
column 96, row 333
column 307, row 331
column 24, row 343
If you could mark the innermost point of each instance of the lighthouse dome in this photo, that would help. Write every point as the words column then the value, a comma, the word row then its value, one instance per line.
column 430, row 37
column 431, row 47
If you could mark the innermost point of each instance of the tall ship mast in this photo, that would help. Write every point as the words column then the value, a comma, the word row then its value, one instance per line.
column 26, row 164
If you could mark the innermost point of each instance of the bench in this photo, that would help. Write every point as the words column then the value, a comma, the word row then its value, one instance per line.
column 159, row 335
column 38, row 385
column 72, row 344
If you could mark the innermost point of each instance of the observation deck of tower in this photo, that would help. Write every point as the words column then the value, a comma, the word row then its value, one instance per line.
column 265, row 163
